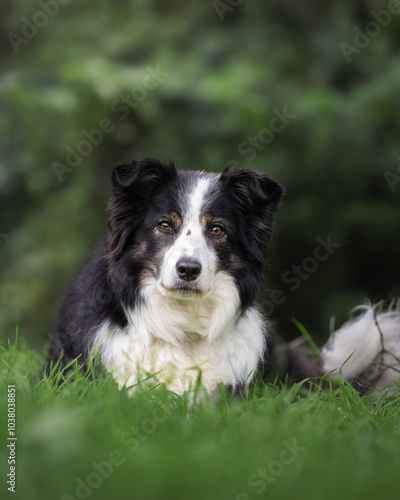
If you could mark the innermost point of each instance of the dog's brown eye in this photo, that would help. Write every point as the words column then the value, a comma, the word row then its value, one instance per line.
column 217, row 231
column 164, row 226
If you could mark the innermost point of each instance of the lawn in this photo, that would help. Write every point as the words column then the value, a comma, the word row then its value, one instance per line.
column 85, row 439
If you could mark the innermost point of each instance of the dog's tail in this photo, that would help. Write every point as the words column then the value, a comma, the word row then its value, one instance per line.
column 365, row 350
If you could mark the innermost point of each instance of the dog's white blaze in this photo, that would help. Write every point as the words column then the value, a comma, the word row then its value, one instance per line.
column 191, row 242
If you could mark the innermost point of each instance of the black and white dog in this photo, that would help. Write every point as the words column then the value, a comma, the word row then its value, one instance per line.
column 173, row 287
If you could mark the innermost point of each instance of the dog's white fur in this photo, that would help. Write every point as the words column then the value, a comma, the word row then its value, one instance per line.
column 203, row 337
column 358, row 343
column 177, row 319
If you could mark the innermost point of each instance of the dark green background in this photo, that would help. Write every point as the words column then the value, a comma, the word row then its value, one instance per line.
column 225, row 78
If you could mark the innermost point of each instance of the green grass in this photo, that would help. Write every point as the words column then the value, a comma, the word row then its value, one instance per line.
column 159, row 446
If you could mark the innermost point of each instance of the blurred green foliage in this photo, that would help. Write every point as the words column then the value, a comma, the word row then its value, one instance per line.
column 226, row 79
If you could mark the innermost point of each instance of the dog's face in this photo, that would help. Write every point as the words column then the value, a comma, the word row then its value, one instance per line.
column 184, row 231
column 188, row 234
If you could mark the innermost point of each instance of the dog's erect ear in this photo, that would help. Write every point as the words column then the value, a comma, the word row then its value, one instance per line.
column 140, row 177
column 257, row 197
column 131, row 185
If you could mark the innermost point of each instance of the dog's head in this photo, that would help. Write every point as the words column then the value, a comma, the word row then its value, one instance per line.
column 183, row 230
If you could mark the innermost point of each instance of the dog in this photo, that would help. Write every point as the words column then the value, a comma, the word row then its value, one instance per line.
column 171, row 291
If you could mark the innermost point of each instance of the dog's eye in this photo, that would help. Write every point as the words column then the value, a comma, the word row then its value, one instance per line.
column 164, row 226
column 217, row 231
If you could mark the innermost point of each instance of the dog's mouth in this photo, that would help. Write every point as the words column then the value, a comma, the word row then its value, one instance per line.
column 182, row 291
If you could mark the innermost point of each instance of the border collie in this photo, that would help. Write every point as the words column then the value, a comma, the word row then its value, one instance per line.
column 172, row 288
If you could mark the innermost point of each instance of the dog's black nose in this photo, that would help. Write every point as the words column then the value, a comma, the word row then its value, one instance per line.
column 188, row 269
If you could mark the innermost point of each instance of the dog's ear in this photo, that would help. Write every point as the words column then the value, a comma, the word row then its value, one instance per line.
column 131, row 185
column 140, row 177
column 257, row 198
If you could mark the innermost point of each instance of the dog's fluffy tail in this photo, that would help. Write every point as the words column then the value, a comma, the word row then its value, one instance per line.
column 366, row 350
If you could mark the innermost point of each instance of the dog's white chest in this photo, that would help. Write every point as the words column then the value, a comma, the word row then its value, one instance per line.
column 232, row 358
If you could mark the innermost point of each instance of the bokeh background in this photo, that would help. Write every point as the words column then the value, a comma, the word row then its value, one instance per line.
column 221, row 71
